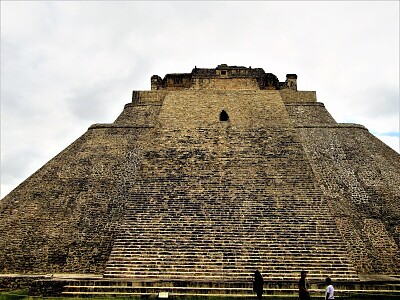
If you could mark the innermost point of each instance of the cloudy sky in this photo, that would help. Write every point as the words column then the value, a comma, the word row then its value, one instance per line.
column 67, row 65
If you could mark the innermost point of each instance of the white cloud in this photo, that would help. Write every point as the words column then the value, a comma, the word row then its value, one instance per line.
column 66, row 65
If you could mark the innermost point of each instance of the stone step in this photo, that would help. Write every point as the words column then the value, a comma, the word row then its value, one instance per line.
column 220, row 276
column 225, row 228
column 227, row 284
column 238, row 263
column 222, row 227
column 179, row 260
column 247, row 246
column 238, row 241
column 244, row 219
column 228, row 264
column 224, row 273
column 247, row 263
column 228, row 268
column 222, row 214
column 229, row 255
column 210, row 209
column 265, row 235
column 209, row 238
column 238, row 289
column 158, row 253
column 275, row 235
column 277, row 292
column 166, row 266
column 216, row 277
column 225, row 266
column 170, row 249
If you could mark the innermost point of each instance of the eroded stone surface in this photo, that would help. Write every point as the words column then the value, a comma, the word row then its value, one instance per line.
column 170, row 191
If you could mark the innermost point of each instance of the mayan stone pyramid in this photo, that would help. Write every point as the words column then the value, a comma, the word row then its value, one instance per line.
column 211, row 175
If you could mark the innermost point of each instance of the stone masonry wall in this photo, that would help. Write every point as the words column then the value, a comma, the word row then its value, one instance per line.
column 306, row 113
column 139, row 115
column 212, row 186
column 64, row 217
column 217, row 199
column 289, row 96
column 225, row 84
column 246, row 109
column 360, row 176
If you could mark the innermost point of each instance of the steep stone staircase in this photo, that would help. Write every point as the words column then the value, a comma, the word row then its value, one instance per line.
column 209, row 211
column 219, row 212
column 171, row 243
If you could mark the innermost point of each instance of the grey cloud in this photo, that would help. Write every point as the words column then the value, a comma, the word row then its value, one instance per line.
column 15, row 164
column 66, row 65
column 380, row 101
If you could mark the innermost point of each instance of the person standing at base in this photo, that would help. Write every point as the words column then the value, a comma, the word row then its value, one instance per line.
column 304, row 294
column 329, row 292
column 258, row 284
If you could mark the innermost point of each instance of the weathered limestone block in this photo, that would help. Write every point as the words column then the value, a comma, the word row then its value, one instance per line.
column 360, row 176
column 311, row 113
column 65, row 217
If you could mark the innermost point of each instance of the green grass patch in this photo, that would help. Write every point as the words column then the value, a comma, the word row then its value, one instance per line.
column 23, row 295
column 14, row 295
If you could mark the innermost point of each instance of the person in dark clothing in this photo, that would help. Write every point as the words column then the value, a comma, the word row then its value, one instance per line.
column 258, row 284
column 303, row 291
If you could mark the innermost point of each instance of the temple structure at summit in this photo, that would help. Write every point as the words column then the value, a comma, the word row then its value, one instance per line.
column 209, row 176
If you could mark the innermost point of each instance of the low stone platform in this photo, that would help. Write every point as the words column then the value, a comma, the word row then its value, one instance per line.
column 222, row 289
column 83, row 285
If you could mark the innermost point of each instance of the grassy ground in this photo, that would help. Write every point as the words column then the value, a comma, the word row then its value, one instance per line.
column 23, row 295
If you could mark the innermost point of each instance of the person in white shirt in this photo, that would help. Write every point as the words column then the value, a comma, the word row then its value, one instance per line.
column 329, row 292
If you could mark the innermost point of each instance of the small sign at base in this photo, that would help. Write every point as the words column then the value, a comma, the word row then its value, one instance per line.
column 163, row 295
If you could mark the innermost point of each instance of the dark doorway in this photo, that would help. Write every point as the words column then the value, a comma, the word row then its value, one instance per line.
column 223, row 116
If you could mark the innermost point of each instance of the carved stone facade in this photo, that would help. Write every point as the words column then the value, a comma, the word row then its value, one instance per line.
column 223, row 77
column 210, row 175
